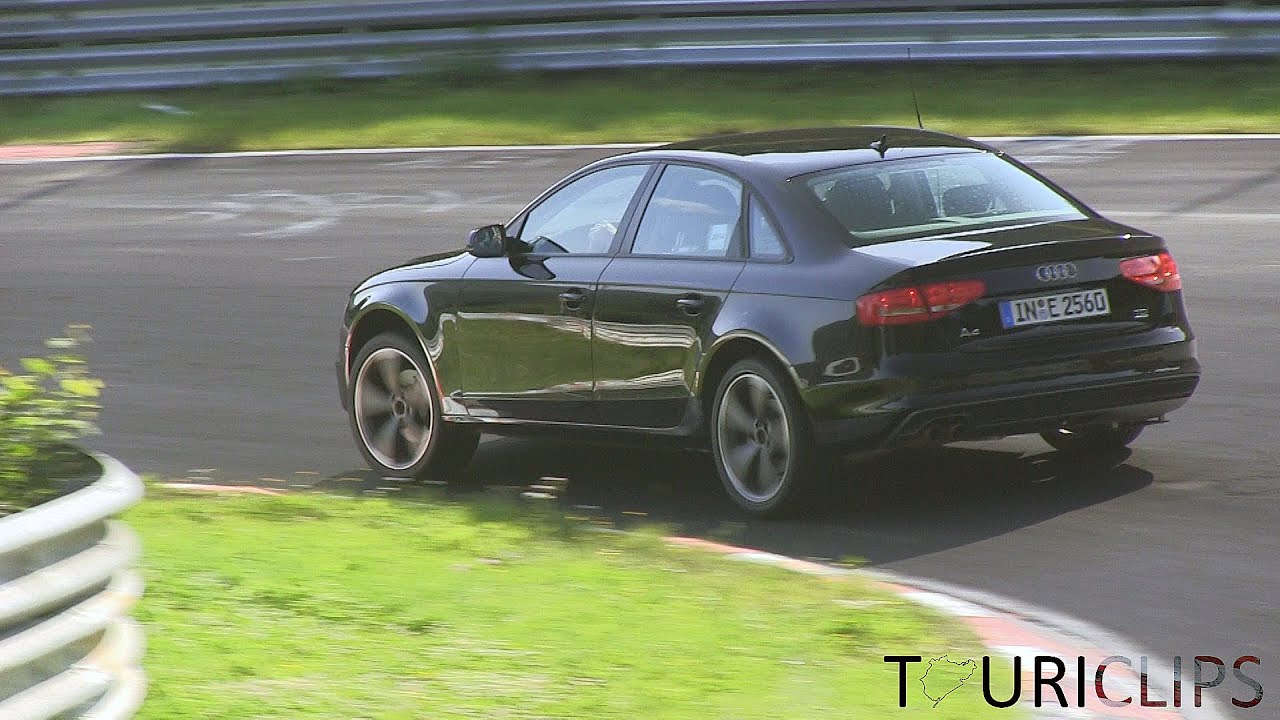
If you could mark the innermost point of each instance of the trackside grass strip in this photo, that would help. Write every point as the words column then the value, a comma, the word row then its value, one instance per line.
column 314, row 606
column 478, row 107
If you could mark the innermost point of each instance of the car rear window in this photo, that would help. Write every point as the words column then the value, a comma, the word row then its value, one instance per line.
column 897, row 199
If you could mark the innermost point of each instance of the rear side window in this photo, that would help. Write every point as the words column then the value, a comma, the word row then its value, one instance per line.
column 896, row 199
column 693, row 212
column 766, row 242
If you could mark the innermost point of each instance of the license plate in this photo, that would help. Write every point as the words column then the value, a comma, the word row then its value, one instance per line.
column 1054, row 308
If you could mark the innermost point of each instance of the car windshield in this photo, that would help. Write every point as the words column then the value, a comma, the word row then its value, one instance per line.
column 897, row 199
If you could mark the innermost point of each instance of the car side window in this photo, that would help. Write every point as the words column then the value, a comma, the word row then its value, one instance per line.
column 766, row 242
column 583, row 216
column 693, row 212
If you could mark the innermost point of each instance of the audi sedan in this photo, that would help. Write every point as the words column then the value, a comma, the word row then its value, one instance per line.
column 774, row 297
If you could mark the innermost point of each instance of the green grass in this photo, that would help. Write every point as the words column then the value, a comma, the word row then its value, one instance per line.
column 665, row 104
column 333, row 607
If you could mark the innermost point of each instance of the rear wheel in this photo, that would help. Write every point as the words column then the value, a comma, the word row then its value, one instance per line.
column 1093, row 438
column 396, row 414
column 761, row 439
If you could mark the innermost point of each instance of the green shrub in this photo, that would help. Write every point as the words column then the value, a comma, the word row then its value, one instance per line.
column 44, row 408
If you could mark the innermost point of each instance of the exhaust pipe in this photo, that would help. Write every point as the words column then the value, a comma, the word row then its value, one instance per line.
column 946, row 430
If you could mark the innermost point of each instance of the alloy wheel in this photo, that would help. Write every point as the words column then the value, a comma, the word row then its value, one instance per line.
column 393, row 408
column 754, row 437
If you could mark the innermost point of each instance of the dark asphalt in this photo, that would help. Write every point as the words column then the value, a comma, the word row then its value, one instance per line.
column 214, row 287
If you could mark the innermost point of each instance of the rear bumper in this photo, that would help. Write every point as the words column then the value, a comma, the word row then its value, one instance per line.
column 991, row 414
column 994, row 404
column 1031, row 412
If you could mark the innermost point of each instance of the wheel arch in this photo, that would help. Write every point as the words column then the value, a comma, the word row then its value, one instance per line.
column 377, row 319
column 729, row 349
column 426, row 313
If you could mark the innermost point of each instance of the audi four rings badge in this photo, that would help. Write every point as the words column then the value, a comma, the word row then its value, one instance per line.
column 1057, row 271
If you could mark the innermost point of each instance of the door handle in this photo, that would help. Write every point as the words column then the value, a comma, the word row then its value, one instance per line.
column 572, row 298
column 691, row 305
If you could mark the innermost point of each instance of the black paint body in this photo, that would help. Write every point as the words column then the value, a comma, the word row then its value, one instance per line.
column 618, row 346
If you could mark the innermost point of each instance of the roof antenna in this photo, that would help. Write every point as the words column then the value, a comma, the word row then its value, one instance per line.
column 911, row 80
column 881, row 145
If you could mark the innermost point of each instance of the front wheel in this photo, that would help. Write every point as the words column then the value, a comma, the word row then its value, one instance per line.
column 1093, row 438
column 396, row 415
column 761, row 439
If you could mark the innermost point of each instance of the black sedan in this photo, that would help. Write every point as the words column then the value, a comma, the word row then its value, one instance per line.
column 775, row 297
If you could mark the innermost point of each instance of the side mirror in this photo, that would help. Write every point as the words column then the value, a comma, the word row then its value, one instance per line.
column 488, row 241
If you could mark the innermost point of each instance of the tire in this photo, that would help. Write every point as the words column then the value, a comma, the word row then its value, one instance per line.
column 761, row 439
column 1093, row 438
column 398, row 429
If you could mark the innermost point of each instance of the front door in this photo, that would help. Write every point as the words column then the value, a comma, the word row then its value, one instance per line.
column 524, row 327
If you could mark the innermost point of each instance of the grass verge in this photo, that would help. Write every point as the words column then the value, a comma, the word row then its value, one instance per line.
column 663, row 105
column 333, row 607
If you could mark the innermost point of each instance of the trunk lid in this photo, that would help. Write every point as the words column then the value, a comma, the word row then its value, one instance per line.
column 1072, row 263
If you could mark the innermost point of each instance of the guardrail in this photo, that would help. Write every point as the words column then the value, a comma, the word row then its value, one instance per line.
column 52, row 46
column 67, row 645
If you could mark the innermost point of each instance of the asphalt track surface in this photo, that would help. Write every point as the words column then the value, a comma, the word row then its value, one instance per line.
column 214, row 288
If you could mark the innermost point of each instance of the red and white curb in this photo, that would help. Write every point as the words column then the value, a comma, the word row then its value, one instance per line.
column 116, row 151
column 1013, row 629
column 63, row 151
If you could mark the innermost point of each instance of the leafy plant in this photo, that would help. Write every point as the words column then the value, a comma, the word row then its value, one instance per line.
column 51, row 403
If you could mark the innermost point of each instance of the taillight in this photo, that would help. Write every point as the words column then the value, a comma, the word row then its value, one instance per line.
column 944, row 297
column 1158, row 272
column 903, row 306
column 898, row 306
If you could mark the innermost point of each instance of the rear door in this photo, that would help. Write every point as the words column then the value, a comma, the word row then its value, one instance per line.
column 658, row 301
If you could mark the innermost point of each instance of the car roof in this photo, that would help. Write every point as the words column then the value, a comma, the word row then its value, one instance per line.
column 788, row 153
